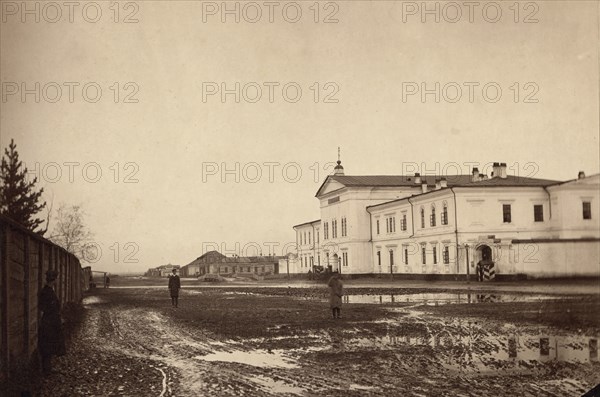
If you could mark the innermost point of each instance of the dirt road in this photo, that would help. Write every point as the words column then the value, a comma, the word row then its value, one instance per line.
column 281, row 341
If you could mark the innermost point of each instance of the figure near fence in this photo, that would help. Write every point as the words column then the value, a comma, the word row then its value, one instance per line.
column 174, row 286
column 51, row 341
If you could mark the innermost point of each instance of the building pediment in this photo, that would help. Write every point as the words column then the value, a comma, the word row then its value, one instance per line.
column 328, row 186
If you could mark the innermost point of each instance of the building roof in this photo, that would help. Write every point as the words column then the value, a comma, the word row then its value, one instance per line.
column 307, row 223
column 452, row 181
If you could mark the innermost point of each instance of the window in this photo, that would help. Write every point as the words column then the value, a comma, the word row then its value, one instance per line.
column 446, row 255
column 423, row 255
column 587, row 210
column 334, row 228
column 344, row 228
column 432, row 216
column 304, row 237
column 390, row 224
column 445, row 214
column 538, row 213
column 422, row 218
column 317, row 237
column 379, row 258
column 506, row 213
column 435, row 255
column 344, row 258
column 309, row 237
column 391, row 258
column 403, row 223
column 406, row 256
column 377, row 225
column 325, row 231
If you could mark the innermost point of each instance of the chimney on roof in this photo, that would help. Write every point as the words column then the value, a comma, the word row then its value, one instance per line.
column 443, row 182
column 475, row 175
column 503, row 170
column 438, row 184
column 495, row 170
column 424, row 186
column 581, row 175
column 499, row 170
column 417, row 178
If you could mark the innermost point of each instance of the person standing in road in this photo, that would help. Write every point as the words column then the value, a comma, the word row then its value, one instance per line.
column 336, row 291
column 174, row 286
column 51, row 341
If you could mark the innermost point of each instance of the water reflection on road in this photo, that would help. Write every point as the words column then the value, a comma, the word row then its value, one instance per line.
column 435, row 299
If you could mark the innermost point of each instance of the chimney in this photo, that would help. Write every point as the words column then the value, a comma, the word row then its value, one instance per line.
column 496, row 170
column 503, row 170
column 438, row 184
column 581, row 175
column 443, row 182
column 424, row 186
column 475, row 175
column 417, row 178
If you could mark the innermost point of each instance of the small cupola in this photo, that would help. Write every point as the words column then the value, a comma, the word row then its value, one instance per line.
column 338, row 170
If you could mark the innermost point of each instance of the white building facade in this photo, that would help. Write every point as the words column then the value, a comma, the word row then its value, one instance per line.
column 428, row 227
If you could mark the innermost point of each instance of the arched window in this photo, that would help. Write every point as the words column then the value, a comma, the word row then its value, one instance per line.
column 432, row 216
column 422, row 218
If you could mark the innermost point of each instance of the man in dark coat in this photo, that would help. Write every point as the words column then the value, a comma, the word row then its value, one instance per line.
column 174, row 286
column 51, row 341
column 336, row 291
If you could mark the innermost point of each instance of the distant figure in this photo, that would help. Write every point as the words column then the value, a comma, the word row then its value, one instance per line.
column 174, row 286
column 336, row 291
column 310, row 274
column 480, row 271
column 50, row 338
column 107, row 282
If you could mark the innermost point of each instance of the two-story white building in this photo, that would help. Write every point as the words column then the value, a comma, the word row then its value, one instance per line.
column 428, row 226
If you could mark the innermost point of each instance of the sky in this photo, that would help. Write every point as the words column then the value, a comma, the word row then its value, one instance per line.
column 180, row 130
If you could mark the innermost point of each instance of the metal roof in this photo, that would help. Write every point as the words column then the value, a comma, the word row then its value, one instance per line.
column 451, row 180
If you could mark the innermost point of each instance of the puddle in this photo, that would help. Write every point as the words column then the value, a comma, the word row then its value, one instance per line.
column 461, row 347
column 92, row 300
column 361, row 387
column 276, row 386
column 256, row 358
column 435, row 299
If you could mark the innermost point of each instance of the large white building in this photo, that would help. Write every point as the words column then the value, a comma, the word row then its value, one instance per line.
column 428, row 226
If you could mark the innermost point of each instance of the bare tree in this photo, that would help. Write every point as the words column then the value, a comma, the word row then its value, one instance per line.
column 71, row 233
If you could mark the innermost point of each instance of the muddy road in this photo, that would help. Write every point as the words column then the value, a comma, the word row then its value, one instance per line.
column 280, row 341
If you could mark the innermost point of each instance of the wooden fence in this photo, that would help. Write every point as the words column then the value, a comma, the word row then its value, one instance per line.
column 24, row 259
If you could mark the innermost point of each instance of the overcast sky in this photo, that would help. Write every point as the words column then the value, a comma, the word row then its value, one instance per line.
column 171, row 131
